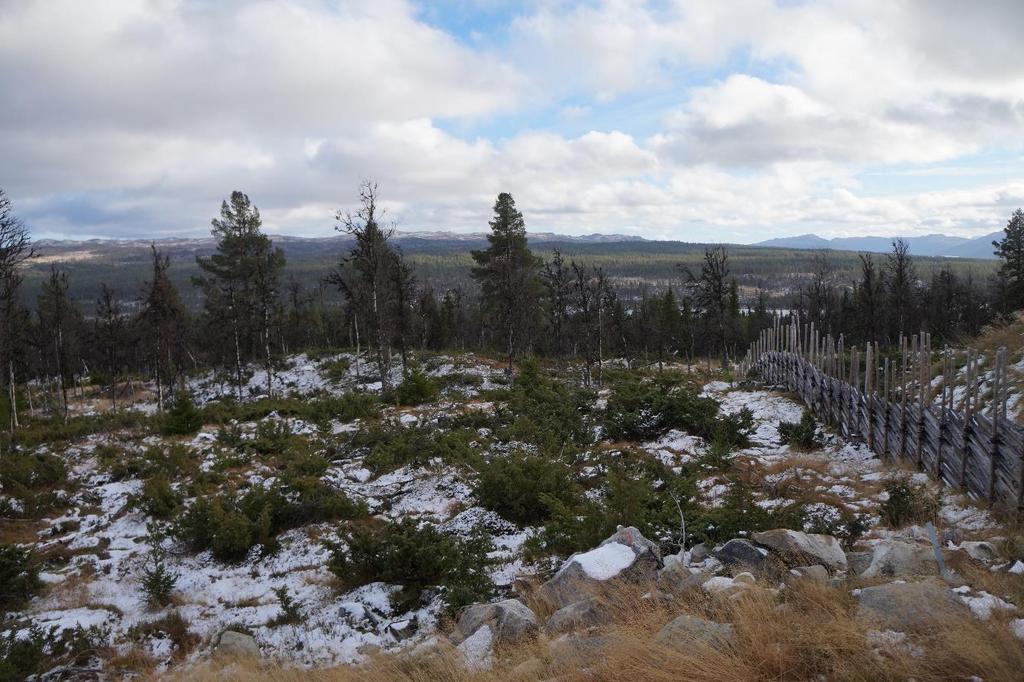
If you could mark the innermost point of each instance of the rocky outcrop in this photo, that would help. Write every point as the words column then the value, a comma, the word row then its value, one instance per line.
column 685, row 630
column 509, row 620
column 794, row 547
column 895, row 559
column 907, row 606
column 626, row 555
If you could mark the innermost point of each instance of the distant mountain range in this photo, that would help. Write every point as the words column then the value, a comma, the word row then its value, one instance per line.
column 927, row 245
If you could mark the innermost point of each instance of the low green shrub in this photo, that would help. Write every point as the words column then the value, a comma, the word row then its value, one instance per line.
column 908, row 503
column 335, row 370
column 230, row 525
column 184, row 418
column 19, row 576
column 416, row 388
column 543, row 412
column 415, row 558
column 31, row 479
column 645, row 410
column 22, row 655
column 157, row 498
column 391, row 446
column 801, row 435
column 524, row 488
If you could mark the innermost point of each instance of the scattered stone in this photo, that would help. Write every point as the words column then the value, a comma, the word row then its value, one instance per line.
column 679, row 579
column 895, row 559
column 857, row 562
column 588, row 613
column 237, row 645
column 982, row 551
column 745, row 578
column 796, row 547
column 816, row 573
column 686, row 630
column 531, row 668
column 510, row 621
column 698, row 553
column 477, row 649
column 576, row 648
column 741, row 552
column 907, row 606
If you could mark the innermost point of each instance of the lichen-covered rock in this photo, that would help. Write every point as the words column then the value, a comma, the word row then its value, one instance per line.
column 896, row 559
column 907, row 606
column 510, row 621
column 588, row 613
column 795, row 547
column 685, row 630
column 237, row 645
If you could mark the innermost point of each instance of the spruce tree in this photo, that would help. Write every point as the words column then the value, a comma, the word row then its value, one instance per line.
column 1011, row 250
column 507, row 272
column 163, row 321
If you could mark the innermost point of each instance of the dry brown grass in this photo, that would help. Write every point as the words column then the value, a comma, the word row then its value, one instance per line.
column 810, row 633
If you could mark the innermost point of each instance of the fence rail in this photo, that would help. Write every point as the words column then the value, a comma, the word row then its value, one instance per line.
column 907, row 404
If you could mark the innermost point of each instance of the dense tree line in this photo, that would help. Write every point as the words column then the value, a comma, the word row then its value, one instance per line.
column 520, row 305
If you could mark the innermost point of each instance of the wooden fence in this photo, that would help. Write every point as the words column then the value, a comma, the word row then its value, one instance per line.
column 908, row 404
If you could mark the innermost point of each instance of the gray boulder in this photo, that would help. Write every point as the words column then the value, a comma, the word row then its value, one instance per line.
column 895, row 559
column 907, row 606
column 738, row 552
column 510, row 621
column 686, row 630
column 625, row 556
column 590, row 612
column 632, row 538
column 237, row 645
column 802, row 548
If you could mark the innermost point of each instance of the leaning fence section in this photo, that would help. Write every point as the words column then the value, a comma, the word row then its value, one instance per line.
column 934, row 409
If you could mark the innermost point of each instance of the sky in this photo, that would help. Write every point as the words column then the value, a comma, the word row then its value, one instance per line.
column 731, row 121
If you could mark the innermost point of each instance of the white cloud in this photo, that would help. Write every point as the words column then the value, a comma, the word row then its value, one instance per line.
column 138, row 116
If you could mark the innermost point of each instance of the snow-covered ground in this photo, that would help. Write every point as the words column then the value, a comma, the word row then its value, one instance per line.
column 111, row 542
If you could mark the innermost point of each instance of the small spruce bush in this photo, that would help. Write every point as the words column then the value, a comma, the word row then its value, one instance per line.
column 415, row 558
column 184, row 418
column 19, row 576
column 908, row 503
column 801, row 435
column 158, row 582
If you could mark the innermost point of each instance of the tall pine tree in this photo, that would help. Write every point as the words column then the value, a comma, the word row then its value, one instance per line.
column 507, row 272
column 1011, row 250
